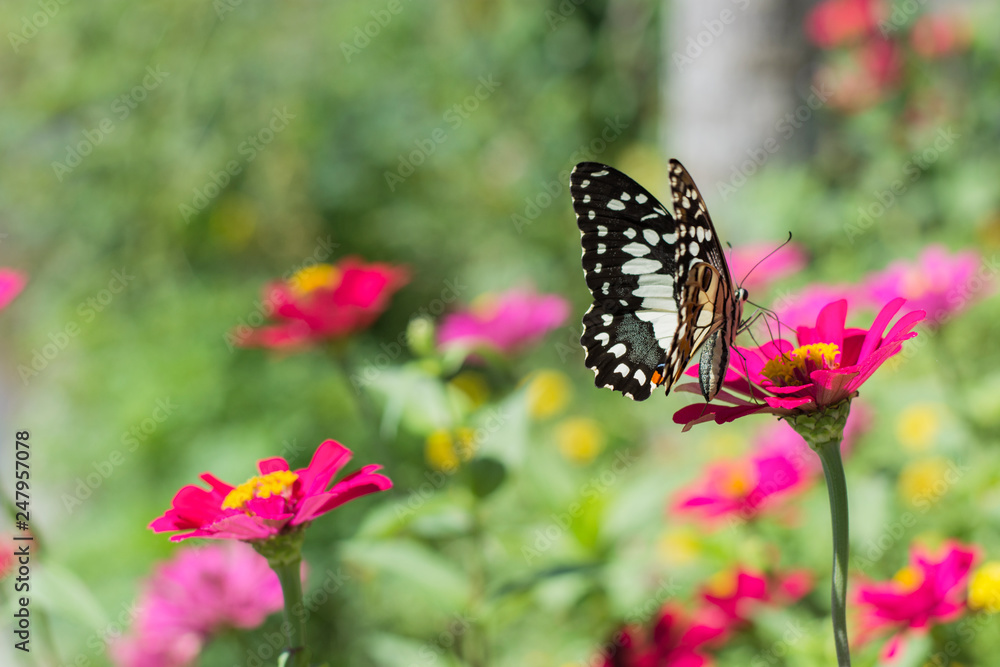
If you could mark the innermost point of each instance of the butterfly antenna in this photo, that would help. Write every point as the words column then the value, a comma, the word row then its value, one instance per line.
column 746, row 370
column 764, row 258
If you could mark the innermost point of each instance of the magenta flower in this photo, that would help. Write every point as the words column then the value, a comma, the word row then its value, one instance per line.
column 939, row 283
column 833, row 23
column 504, row 322
column 323, row 302
column 737, row 593
column 738, row 489
column 277, row 502
column 787, row 260
column 829, row 366
column 199, row 593
column 928, row 591
column 11, row 284
column 676, row 640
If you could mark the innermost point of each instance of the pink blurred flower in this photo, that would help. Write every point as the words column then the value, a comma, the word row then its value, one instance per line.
column 799, row 308
column 199, row 593
column 6, row 555
column 939, row 283
column 676, row 640
column 829, row 366
column 278, row 501
column 929, row 591
column 937, row 35
column 786, row 260
column 739, row 592
column 504, row 322
column 739, row 489
column 11, row 284
column 837, row 22
column 322, row 302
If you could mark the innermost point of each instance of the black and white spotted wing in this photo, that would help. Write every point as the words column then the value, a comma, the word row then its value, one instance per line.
column 660, row 283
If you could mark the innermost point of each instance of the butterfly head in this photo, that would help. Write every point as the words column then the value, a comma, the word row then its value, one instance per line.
column 742, row 294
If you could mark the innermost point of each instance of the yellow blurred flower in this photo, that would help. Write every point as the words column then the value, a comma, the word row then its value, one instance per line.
column 918, row 426
column 924, row 481
column 984, row 589
column 445, row 450
column 580, row 439
column 548, row 393
column 473, row 385
column 679, row 546
column 313, row 277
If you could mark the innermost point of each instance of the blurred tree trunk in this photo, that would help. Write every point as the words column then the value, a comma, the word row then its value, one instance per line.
column 730, row 70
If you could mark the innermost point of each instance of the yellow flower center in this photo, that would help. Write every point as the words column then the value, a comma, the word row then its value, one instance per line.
column 793, row 368
column 909, row 578
column 915, row 284
column 984, row 589
column 738, row 479
column 278, row 483
column 722, row 584
column 313, row 277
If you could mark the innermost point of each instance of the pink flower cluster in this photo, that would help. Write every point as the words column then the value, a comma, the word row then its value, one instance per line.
column 722, row 607
column 505, row 322
column 872, row 37
column 199, row 593
column 940, row 283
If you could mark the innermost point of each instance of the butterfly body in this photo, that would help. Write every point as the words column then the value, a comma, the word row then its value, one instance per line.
column 660, row 283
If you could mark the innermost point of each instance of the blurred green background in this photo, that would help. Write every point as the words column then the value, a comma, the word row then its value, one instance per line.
column 495, row 101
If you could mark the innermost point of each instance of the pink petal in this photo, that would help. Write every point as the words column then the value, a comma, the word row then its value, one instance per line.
column 874, row 336
column 275, row 464
column 326, row 462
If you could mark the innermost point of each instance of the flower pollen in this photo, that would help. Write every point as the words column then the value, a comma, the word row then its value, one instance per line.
column 278, row 483
column 794, row 368
column 311, row 278
column 909, row 578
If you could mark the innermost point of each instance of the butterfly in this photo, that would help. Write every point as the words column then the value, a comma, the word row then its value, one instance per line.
column 660, row 283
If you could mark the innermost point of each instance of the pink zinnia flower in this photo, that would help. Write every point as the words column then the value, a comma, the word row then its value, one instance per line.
column 738, row 489
column 930, row 590
column 322, row 302
column 939, row 283
column 278, row 501
column 786, row 260
column 737, row 593
column 199, row 593
column 829, row 366
column 676, row 640
column 11, row 284
column 504, row 322
column 836, row 22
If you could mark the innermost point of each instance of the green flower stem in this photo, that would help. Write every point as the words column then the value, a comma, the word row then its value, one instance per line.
column 836, row 484
column 284, row 555
column 824, row 431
